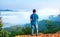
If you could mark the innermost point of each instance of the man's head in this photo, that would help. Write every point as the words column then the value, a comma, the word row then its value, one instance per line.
column 34, row 11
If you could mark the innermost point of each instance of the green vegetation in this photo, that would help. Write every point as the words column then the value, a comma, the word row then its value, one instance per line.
column 51, row 27
column 0, row 26
column 45, row 26
column 4, row 33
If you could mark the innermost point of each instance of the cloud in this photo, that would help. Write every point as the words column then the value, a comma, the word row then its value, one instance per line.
column 24, row 17
column 48, row 11
column 8, row 13
column 16, row 17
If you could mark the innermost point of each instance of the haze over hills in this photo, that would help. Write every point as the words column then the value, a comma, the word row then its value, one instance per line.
column 7, row 24
column 5, row 10
column 56, row 18
column 43, row 23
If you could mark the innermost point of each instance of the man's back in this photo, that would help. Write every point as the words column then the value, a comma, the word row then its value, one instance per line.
column 34, row 18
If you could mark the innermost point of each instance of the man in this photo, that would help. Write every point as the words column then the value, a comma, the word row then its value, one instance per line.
column 34, row 22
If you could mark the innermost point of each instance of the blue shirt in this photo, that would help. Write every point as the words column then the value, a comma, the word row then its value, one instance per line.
column 34, row 18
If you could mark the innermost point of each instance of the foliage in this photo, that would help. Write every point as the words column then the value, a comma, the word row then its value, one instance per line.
column 45, row 26
column 51, row 27
column 1, row 26
column 4, row 33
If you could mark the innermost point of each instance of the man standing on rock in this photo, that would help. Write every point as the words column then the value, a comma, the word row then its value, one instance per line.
column 34, row 22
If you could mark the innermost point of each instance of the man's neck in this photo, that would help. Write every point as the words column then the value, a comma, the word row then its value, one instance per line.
column 34, row 13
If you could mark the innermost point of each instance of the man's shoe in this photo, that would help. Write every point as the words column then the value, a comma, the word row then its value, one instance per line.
column 36, row 34
column 31, row 34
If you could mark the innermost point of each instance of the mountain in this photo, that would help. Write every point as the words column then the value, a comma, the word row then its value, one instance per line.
column 56, row 18
column 6, row 10
column 44, row 26
column 13, row 28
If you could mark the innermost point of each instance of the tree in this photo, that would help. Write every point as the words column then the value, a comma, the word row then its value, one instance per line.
column 51, row 26
column 48, row 26
column 1, row 23
column 3, row 33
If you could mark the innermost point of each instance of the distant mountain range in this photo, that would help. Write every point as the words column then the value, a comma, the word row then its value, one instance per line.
column 52, row 18
column 56, row 19
column 6, row 10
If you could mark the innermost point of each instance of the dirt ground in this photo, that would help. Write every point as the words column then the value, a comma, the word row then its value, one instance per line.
column 41, row 35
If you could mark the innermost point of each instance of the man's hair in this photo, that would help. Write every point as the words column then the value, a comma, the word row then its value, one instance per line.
column 34, row 11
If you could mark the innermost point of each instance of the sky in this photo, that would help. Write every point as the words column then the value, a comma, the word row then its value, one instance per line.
column 29, row 4
column 44, row 9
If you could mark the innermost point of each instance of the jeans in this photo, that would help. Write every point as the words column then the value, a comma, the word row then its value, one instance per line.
column 32, row 29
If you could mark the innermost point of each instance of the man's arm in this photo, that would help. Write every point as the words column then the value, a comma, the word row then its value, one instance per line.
column 37, row 18
column 30, row 20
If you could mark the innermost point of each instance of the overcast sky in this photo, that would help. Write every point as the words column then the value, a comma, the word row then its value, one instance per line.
column 29, row 4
